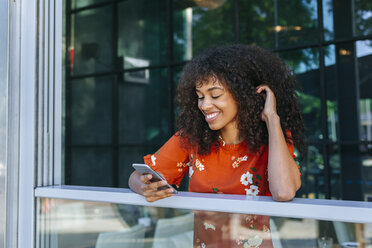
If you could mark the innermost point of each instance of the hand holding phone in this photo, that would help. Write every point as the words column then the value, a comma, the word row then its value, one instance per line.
column 144, row 169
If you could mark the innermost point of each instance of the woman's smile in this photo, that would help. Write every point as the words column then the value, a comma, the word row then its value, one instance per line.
column 210, row 117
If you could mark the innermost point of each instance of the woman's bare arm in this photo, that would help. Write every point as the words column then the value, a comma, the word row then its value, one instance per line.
column 283, row 173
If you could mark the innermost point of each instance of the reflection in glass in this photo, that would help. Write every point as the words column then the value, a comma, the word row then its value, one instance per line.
column 128, row 156
column 201, row 24
column 360, row 22
column 366, row 178
column 84, row 3
column 91, row 166
column 272, row 24
column 312, row 174
column 91, row 41
column 76, row 224
column 335, row 171
column 144, row 107
column 305, row 64
column 364, row 55
column 363, row 17
column 143, row 33
column 328, row 20
column 93, row 224
column 176, row 77
column 144, row 114
column 91, row 111
column 331, row 92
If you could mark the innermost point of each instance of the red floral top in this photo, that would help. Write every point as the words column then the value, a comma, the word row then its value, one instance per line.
column 229, row 170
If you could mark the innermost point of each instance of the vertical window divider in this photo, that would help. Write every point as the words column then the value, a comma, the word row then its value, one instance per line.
column 67, row 145
column 44, row 91
column 40, row 95
column 51, row 89
column 115, row 103
column 56, row 112
column 11, row 197
column 323, row 100
column 28, row 19
column 236, row 21
column 171, row 88
column 48, row 109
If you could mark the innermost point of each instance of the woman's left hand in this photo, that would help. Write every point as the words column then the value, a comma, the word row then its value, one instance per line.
column 270, row 103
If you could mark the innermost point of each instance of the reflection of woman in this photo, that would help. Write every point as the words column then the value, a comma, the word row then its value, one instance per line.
column 238, row 126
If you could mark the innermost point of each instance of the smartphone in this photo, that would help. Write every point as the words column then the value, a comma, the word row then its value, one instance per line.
column 145, row 169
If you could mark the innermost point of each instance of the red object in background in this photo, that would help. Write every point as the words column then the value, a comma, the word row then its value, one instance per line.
column 72, row 59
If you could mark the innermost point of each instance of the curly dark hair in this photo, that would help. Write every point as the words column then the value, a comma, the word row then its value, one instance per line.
column 240, row 68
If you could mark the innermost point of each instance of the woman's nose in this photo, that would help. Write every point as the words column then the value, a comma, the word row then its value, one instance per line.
column 205, row 104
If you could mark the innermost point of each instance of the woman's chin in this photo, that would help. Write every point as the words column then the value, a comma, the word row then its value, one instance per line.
column 214, row 127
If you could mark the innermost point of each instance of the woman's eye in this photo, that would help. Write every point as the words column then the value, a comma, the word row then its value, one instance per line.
column 200, row 97
column 215, row 97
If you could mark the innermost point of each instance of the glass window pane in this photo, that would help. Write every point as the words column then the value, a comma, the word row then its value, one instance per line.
column 91, row 166
column 91, row 111
column 272, row 24
column 363, row 17
column 312, row 174
column 353, row 172
column 364, row 56
column 331, row 92
column 328, row 20
column 91, row 41
column 335, row 171
column 84, row 3
column 339, row 20
column 344, row 19
column 305, row 64
column 343, row 94
column 144, row 108
column 176, row 77
column 143, row 33
column 128, row 156
column 201, row 24
column 76, row 224
column 366, row 157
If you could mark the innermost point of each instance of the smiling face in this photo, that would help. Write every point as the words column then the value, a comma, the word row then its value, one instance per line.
column 217, row 105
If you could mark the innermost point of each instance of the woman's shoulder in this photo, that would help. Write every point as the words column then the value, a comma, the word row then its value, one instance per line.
column 184, row 142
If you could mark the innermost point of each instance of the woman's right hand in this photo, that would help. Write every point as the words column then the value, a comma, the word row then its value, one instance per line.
column 150, row 189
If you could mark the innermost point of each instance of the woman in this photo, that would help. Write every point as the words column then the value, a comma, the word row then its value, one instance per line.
column 238, row 126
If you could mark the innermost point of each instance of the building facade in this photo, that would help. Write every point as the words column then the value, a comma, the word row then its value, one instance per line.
column 123, row 60
column 87, row 87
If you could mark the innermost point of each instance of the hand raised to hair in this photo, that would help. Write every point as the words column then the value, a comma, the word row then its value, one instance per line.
column 269, row 110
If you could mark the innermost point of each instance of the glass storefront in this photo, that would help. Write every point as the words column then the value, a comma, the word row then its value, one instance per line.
column 115, row 91
column 123, row 59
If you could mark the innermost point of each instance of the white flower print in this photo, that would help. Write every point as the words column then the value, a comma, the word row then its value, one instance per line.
column 191, row 171
column 246, row 178
column 237, row 161
column 222, row 142
column 255, row 242
column 153, row 158
column 207, row 226
column 199, row 165
column 252, row 191
column 181, row 165
column 203, row 245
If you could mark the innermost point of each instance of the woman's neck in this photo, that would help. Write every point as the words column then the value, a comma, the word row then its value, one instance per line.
column 231, row 136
